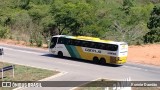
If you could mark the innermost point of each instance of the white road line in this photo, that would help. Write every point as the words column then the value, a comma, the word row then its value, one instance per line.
column 31, row 52
column 7, row 54
column 137, row 68
column 68, row 64
column 133, row 67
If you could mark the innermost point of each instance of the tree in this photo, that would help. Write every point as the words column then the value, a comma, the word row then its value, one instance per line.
column 71, row 16
column 127, row 4
column 154, row 25
column 23, row 4
column 154, row 21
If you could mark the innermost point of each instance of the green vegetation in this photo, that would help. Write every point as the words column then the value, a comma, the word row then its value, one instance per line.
column 35, row 21
column 24, row 73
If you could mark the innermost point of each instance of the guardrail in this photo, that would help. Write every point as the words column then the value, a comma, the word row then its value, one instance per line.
column 7, row 68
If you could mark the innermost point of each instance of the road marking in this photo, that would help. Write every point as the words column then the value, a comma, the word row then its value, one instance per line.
column 137, row 68
column 132, row 67
column 68, row 64
column 24, row 51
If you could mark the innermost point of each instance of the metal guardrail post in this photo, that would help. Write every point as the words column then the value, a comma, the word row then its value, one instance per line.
column 13, row 71
column 2, row 73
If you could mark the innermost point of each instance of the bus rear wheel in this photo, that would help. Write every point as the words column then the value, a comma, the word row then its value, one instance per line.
column 60, row 54
column 95, row 60
column 102, row 61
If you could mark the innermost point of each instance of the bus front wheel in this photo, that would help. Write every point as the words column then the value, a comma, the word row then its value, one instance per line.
column 60, row 54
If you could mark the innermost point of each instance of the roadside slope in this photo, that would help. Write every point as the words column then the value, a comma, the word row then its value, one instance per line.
column 145, row 54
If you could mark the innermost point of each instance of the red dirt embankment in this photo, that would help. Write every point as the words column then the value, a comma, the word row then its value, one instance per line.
column 144, row 54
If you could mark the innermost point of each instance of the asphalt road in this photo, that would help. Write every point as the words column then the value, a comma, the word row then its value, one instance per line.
column 77, row 70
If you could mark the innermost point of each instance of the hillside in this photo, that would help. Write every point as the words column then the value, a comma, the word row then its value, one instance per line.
column 34, row 21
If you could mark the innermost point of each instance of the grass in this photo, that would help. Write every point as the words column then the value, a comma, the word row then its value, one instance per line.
column 24, row 73
column 93, row 83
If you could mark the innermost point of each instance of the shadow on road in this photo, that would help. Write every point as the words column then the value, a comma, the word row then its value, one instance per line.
column 80, row 60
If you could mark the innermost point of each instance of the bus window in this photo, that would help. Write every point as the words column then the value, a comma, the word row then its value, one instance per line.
column 111, row 47
column 101, row 46
column 72, row 42
column 85, row 43
column 60, row 40
column 68, row 41
column 77, row 43
column 92, row 44
column 96, row 45
column 53, row 42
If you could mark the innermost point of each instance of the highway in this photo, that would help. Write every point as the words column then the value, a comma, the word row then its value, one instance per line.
column 76, row 70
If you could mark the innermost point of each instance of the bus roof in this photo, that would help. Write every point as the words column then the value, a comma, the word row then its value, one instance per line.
column 86, row 38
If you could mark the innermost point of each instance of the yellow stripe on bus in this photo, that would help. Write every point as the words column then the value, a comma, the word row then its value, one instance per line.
column 89, row 56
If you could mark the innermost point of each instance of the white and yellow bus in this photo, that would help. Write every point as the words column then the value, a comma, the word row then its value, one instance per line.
column 89, row 48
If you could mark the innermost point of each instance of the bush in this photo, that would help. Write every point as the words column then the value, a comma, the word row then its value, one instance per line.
column 31, row 41
column 152, row 36
column 3, row 32
column 39, row 42
column 154, row 25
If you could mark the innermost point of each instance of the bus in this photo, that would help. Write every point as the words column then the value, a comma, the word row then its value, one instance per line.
column 89, row 48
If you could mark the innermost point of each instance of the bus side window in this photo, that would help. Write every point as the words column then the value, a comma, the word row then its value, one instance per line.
column 60, row 40
column 71, row 42
column 101, row 46
column 67, row 41
column 85, row 44
column 92, row 44
column 111, row 47
column 106, row 47
column 115, row 47
column 76, row 43
column 96, row 45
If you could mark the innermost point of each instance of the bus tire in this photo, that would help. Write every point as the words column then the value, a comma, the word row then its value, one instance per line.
column 102, row 61
column 60, row 54
column 95, row 59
